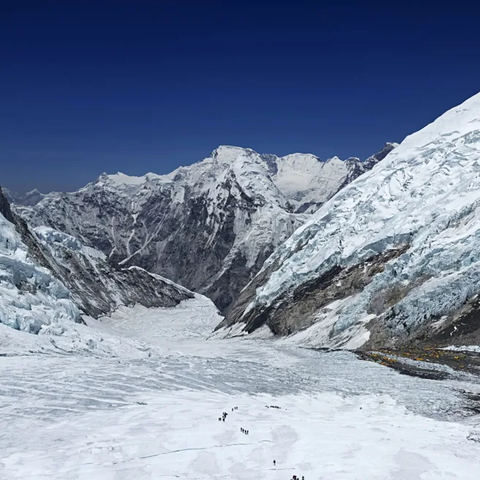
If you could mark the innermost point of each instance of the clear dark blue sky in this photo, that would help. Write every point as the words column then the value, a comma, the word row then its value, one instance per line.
column 141, row 86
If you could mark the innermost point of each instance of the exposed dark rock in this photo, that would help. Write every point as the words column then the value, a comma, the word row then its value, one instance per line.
column 385, row 299
column 5, row 209
column 460, row 327
column 296, row 310
column 429, row 362
column 96, row 286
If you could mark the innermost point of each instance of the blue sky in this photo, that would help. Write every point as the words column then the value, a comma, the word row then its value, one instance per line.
column 88, row 87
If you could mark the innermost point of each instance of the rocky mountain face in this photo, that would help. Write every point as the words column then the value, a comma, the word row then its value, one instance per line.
column 391, row 260
column 98, row 287
column 5, row 209
column 44, row 265
column 209, row 226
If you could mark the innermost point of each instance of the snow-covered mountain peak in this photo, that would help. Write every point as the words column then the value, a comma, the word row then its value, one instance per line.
column 28, row 199
column 335, row 160
column 229, row 153
column 123, row 179
column 208, row 226
column 302, row 160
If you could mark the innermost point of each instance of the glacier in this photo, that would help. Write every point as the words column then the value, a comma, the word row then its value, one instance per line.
column 31, row 298
column 421, row 201
column 135, row 392
column 142, row 397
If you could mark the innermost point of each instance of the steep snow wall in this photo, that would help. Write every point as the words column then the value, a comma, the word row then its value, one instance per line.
column 422, row 203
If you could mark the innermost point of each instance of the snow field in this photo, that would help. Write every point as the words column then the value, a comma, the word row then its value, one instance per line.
column 178, row 435
column 138, row 395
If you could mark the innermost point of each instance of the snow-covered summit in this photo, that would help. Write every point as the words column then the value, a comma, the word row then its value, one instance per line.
column 123, row 179
column 208, row 226
column 303, row 179
column 395, row 248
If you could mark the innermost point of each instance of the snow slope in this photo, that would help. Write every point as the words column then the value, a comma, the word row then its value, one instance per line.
column 129, row 332
column 209, row 226
column 390, row 254
column 308, row 182
column 152, row 412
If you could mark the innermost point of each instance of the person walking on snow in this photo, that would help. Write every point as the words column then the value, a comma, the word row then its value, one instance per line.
column 274, row 463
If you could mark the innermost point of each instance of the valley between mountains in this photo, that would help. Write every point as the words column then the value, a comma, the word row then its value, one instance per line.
column 330, row 307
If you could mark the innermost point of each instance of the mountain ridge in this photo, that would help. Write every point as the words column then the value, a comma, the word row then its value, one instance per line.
column 209, row 226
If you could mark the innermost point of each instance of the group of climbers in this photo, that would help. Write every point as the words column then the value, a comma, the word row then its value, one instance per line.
column 223, row 417
column 246, row 432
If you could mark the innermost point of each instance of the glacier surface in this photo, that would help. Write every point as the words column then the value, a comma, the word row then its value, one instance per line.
column 31, row 299
column 141, row 399
column 425, row 195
